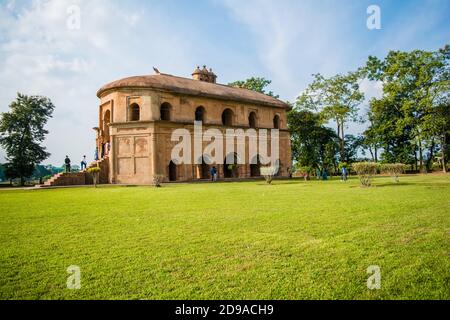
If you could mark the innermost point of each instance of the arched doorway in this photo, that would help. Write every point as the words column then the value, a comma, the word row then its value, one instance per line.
column 230, row 168
column 202, row 169
column 227, row 117
column 255, row 167
column 172, row 171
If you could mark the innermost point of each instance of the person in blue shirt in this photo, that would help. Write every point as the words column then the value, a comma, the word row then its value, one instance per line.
column 324, row 175
column 344, row 174
column 211, row 172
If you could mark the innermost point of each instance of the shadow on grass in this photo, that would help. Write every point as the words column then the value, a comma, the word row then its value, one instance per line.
column 387, row 184
column 283, row 182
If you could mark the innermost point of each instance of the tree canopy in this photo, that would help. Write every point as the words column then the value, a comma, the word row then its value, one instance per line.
column 256, row 84
column 413, row 113
column 336, row 98
column 22, row 132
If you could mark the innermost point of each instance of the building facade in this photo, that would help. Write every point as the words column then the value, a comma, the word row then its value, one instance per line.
column 137, row 116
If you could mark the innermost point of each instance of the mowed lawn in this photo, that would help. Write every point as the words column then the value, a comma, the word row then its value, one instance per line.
column 246, row 240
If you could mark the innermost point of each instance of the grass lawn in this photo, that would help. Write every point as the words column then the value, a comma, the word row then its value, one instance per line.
column 247, row 240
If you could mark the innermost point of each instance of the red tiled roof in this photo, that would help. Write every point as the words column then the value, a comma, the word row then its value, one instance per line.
column 169, row 83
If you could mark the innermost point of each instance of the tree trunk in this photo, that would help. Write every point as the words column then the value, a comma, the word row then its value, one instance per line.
column 443, row 150
column 421, row 157
column 415, row 157
column 340, row 132
column 376, row 154
column 429, row 165
column 371, row 154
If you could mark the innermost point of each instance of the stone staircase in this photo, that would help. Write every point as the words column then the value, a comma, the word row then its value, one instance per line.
column 79, row 178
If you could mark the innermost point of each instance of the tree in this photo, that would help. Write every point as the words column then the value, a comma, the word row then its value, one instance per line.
column 370, row 139
column 22, row 131
column 256, row 84
column 10, row 172
column 388, row 132
column 313, row 145
column 416, row 84
column 352, row 145
column 336, row 98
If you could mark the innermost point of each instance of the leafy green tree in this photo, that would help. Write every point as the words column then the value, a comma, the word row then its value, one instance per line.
column 10, row 172
column 416, row 84
column 336, row 98
column 313, row 145
column 352, row 146
column 256, row 84
column 388, row 132
column 22, row 131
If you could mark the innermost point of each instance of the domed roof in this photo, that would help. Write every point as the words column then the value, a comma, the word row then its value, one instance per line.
column 169, row 83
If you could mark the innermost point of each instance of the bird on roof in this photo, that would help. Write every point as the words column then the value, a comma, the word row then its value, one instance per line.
column 156, row 70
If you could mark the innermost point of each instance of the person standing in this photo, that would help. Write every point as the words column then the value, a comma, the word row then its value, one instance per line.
column 214, row 174
column 67, row 163
column 211, row 172
column 324, row 174
column 318, row 174
column 344, row 174
column 83, row 163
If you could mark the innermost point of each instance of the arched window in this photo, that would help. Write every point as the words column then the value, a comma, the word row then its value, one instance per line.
column 135, row 112
column 276, row 122
column 252, row 120
column 165, row 111
column 255, row 166
column 200, row 114
column 227, row 117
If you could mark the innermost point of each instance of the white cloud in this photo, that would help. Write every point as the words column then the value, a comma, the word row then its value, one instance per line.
column 39, row 54
column 295, row 39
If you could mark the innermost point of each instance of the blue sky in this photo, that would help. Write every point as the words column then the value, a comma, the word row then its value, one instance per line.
column 285, row 41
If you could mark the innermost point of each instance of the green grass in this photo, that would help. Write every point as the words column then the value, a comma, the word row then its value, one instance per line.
column 247, row 240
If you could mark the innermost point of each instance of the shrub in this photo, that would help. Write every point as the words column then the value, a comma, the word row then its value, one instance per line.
column 95, row 172
column 305, row 171
column 157, row 179
column 268, row 173
column 393, row 169
column 365, row 172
